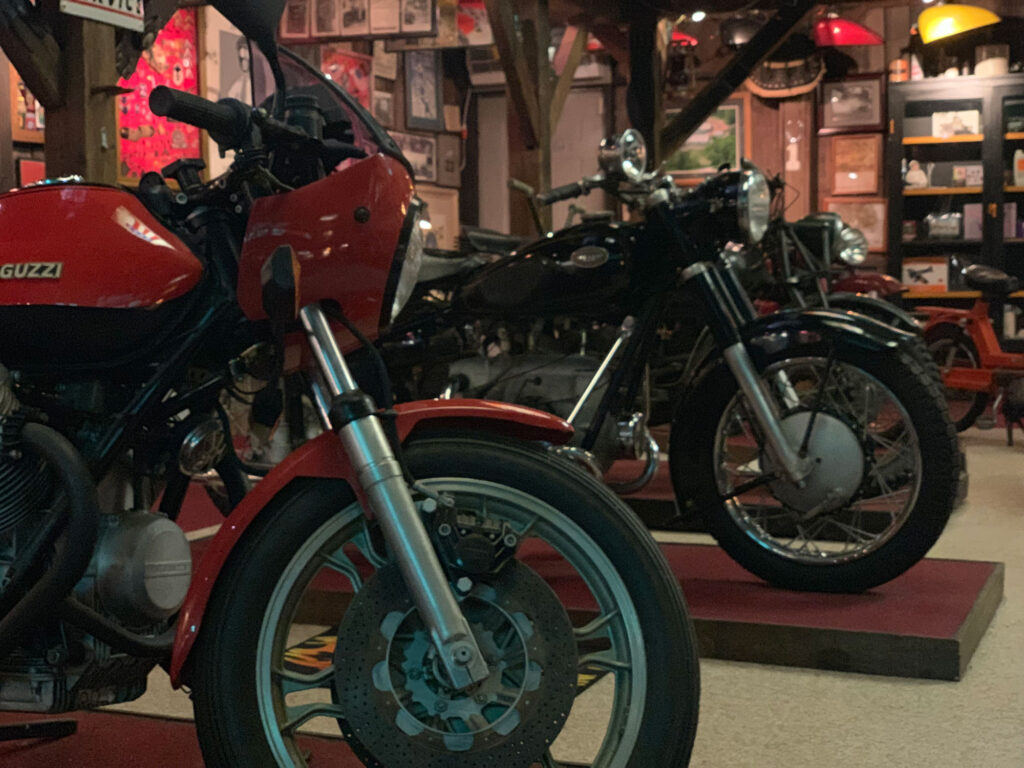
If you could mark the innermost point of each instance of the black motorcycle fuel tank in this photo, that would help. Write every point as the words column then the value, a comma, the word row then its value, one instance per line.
column 584, row 270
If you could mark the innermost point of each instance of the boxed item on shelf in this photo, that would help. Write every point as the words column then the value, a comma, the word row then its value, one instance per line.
column 972, row 221
column 926, row 274
column 944, row 226
column 1009, row 219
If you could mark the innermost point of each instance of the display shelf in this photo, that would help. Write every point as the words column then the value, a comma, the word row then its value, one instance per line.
column 1013, row 189
column 966, row 138
column 926, row 191
column 1015, row 136
column 924, row 242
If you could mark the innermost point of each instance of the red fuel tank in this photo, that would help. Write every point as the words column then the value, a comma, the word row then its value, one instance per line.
column 87, row 246
column 87, row 276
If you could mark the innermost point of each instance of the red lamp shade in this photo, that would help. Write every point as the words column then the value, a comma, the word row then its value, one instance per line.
column 836, row 31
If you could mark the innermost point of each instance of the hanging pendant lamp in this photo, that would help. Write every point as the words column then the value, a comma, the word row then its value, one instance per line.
column 834, row 31
column 944, row 21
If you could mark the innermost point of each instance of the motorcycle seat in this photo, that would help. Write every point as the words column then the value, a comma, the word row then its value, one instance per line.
column 489, row 241
column 990, row 280
column 436, row 265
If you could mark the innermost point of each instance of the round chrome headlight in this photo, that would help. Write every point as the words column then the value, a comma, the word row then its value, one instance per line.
column 853, row 247
column 754, row 204
column 624, row 155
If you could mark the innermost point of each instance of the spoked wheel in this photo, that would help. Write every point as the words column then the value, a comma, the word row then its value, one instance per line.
column 952, row 348
column 883, row 477
column 573, row 589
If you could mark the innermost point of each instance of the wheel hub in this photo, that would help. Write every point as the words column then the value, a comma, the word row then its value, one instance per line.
column 838, row 464
column 399, row 703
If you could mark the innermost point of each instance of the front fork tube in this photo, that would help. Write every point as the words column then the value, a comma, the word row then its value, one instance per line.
column 728, row 309
column 381, row 478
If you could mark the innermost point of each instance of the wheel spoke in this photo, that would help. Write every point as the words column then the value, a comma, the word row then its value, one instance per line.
column 340, row 562
column 604, row 660
column 591, row 630
column 364, row 544
column 299, row 716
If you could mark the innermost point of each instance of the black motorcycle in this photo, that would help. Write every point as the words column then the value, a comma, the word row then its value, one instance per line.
column 813, row 441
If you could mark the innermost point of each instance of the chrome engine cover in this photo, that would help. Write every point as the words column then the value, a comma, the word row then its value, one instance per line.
column 142, row 568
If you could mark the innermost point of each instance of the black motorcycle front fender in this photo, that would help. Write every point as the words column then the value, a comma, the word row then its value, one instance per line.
column 791, row 329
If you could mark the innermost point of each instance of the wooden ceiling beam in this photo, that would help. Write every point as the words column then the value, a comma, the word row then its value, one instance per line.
column 32, row 48
column 513, row 56
column 575, row 40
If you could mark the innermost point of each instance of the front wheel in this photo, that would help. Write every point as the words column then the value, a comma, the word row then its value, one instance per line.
column 585, row 595
column 884, row 471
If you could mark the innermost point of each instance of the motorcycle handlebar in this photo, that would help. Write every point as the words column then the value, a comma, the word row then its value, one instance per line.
column 225, row 120
column 566, row 192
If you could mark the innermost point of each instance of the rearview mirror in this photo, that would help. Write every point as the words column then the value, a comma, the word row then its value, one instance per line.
column 256, row 19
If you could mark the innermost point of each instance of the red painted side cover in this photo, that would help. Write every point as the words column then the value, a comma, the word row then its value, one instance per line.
column 324, row 457
column 113, row 253
column 941, row 316
column 340, row 257
column 869, row 282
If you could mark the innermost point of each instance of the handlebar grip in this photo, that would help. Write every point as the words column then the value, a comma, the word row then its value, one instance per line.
column 565, row 192
column 224, row 120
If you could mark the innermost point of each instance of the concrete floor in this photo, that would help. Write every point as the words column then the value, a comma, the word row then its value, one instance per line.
column 762, row 717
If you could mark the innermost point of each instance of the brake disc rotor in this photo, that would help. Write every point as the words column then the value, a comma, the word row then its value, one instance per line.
column 398, row 703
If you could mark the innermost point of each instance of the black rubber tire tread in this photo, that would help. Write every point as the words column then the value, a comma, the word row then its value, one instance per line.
column 956, row 335
column 691, row 463
column 228, row 722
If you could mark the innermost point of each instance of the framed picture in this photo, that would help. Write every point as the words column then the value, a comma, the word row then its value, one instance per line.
column 385, row 63
column 856, row 103
column 449, row 160
column 28, row 118
column 30, row 171
column 384, row 108
column 868, row 214
column 355, row 17
column 421, row 152
column 147, row 142
column 418, row 17
column 423, row 102
column 352, row 71
column 443, row 213
column 326, row 19
column 225, row 73
column 963, row 122
column 295, row 25
column 386, row 17
column 855, row 164
column 723, row 138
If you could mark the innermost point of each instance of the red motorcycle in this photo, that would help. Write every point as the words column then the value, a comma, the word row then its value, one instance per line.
column 430, row 552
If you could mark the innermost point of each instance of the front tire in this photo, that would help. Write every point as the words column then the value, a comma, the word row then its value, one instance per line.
column 884, row 414
column 655, row 702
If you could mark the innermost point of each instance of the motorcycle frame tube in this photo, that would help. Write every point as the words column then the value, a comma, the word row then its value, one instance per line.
column 380, row 476
column 324, row 457
column 624, row 333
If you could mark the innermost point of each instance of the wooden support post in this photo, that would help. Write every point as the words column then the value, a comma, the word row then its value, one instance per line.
column 573, row 45
column 8, row 171
column 81, row 135
column 644, row 98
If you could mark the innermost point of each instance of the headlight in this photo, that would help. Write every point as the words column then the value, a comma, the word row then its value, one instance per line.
column 754, row 204
column 409, row 257
column 853, row 247
column 624, row 155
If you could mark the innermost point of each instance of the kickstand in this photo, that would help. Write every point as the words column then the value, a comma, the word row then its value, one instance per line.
column 1009, row 432
column 38, row 729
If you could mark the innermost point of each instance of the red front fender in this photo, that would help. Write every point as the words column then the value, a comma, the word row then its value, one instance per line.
column 324, row 457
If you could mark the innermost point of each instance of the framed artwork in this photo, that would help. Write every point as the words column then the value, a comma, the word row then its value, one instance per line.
column 723, row 138
column 30, row 171
column 868, row 214
column 355, row 17
column 418, row 17
column 326, row 19
column 423, row 101
column 226, row 73
column 385, row 63
column 421, row 152
column 443, row 213
column 449, row 160
column 856, row 103
column 855, row 164
column 963, row 122
column 296, row 24
column 28, row 118
column 384, row 108
column 352, row 71
column 386, row 17
column 147, row 142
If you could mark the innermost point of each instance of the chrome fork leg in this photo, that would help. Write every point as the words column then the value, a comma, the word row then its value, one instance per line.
column 763, row 408
column 380, row 476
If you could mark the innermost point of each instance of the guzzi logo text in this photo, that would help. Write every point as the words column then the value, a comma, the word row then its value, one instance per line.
column 29, row 270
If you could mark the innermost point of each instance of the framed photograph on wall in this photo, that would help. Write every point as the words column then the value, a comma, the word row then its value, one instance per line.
column 386, row 17
column 352, row 71
column 449, row 160
column 868, row 214
column 421, row 152
column 147, row 142
column 855, row 164
column 384, row 108
column 418, row 17
column 295, row 25
column 326, row 19
column 443, row 213
column 355, row 17
column 856, row 103
column 28, row 118
column 723, row 138
column 423, row 98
